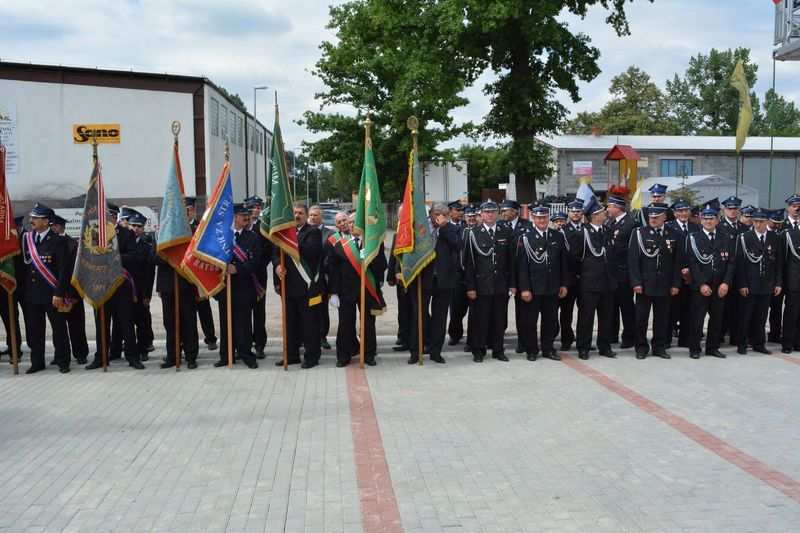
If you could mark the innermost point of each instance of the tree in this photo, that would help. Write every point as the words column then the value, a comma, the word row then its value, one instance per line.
column 235, row 99
column 486, row 167
column 703, row 102
column 786, row 119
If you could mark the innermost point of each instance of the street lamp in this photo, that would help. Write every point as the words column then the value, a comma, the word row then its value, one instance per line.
column 255, row 135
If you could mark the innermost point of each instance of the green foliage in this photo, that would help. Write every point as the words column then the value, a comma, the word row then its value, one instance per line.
column 235, row 99
column 685, row 192
column 786, row 117
column 486, row 167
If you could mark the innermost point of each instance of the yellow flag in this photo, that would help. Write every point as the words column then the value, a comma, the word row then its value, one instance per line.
column 745, row 110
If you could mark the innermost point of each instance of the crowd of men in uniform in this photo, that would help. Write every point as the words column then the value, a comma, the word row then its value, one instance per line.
column 734, row 268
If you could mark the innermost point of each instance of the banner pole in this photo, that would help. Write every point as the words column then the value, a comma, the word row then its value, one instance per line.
column 229, row 318
column 103, row 340
column 13, row 333
column 283, row 314
column 362, row 315
column 177, row 322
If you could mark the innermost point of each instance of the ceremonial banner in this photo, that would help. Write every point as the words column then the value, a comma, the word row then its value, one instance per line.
column 414, row 247
column 209, row 251
column 370, row 221
column 277, row 222
column 739, row 81
column 98, row 268
column 9, row 242
column 174, row 232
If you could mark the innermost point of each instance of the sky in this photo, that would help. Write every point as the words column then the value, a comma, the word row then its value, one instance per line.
column 240, row 44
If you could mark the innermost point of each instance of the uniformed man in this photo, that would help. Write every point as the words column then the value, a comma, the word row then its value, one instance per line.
column 315, row 218
column 679, row 305
column 49, row 271
column 621, row 225
column 658, row 195
column 456, row 211
column 542, row 273
column 460, row 303
column 566, row 305
column 655, row 275
column 790, row 239
column 259, row 311
column 759, row 275
column 244, row 261
column 438, row 280
column 142, row 271
column 473, row 220
column 490, row 277
column 17, row 297
column 746, row 215
column 203, row 306
column 345, row 274
column 709, row 256
column 730, row 224
column 187, row 319
column 394, row 278
column 302, row 292
column 792, row 212
column 592, row 250
column 509, row 212
column 775, row 225
column 558, row 219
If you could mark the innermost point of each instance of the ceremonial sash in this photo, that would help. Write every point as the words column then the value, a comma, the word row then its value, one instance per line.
column 42, row 269
column 242, row 256
column 130, row 280
column 353, row 255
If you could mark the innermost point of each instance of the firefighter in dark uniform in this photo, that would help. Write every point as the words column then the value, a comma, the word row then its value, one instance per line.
column 776, row 303
column 203, row 305
column 76, row 318
column 460, row 303
column 345, row 287
column 259, row 314
column 17, row 295
column 731, row 225
column 473, row 220
column 315, row 218
column 490, row 277
column 301, row 295
column 542, row 273
column 566, row 305
column 49, row 270
column 187, row 318
column 509, row 211
column 654, row 270
column 759, row 276
column 709, row 257
column 244, row 261
column 658, row 195
column 143, row 273
column 592, row 249
column 792, row 220
column 621, row 225
column 679, row 311
column 790, row 237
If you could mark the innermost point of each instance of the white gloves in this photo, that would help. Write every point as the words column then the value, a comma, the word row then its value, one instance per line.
column 334, row 301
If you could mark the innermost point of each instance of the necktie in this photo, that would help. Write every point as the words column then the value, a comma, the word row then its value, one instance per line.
column 683, row 228
column 795, row 225
column 711, row 238
column 358, row 243
column 237, row 236
column 762, row 239
column 491, row 233
column 659, row 232
column 38, row 238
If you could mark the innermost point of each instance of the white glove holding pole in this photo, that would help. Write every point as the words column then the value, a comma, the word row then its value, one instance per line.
column 334, row 301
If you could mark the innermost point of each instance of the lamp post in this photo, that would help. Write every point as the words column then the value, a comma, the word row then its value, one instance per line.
column 255, row 136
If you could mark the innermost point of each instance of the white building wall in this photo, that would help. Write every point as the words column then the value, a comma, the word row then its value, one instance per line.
column 446, row 182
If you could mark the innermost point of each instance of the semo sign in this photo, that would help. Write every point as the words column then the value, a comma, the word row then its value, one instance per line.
column 106, row 133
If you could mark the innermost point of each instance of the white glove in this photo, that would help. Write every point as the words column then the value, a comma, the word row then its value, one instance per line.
column 334, row 301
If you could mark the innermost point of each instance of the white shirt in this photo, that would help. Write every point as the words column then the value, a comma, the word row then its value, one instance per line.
column 493, row 229
column 620, row 217
column 708, row 233
column 596, row 228
column 759, row 235
column 43, row 234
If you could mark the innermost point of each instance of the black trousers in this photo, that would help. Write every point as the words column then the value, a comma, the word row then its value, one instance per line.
column 660, row 307
column 624, row 307
column 347, row 342
column 566, row 307
column 6, row 319
column 301, row 325
column 206, row 321
column 242, row 330
column 470, row 325
column 590, row 303
column 187, row 316
column 680, row 315
column 700, row 306
column 734, row 304
column 791, row 321
column 76, row 330
column 38, row 316
column 458, row 310
column 435, row 304
column 775, row 318
column 753, row 319
column 404, row 315
column 119, row 309
column 324, row 317
column 259, row 316
column 141, row 315
column 545, row 306
column 490, row 317
column 519, row 319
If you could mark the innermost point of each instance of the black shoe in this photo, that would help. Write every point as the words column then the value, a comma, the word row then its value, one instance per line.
column 716, row 353
column 371, row 362
column 668, row 346
column 786, row 350
column 477, row 359
column 662, row 354
column 762, row 349
column 413, row 360
column 34, row 369
column 81, row 361
column 251, row 363
column 400, row 348
column 641, row 355
column 426, row 349
column 583, row 354
column 694, row 355
column 137, row 365
column 453, row 342
column 500, row 357
column 212, row 345
column 52, row 362
column 532, row 356
column 260, row 353
column 309, row 364
column 566, row 347
column 289, row 363
column 626, row 345
column 325, row 345
column 115, row 357
column 220, row 363
column 150, row 348
column 741, row 350
column 339, row 364
column 519, row 349
column 191, row 365
column 468, row 348
column 63, row 369
column 438, row 359
column 94, row 365
column 552, row 355
column 144, row 357
column 608, row 353
column 166, row 364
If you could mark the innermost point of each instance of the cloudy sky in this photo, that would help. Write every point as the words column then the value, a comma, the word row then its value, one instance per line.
column 240, row 44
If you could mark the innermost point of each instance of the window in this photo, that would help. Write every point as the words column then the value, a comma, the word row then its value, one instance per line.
column 223, row 123
column 232, row 126
column 214, row 120
column 239, row 131
column 676, row 167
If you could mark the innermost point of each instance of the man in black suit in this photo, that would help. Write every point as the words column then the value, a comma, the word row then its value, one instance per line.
column 49, row 270
column 315, row 219
column 259, row 311
column 302, row 292
column 592, row 249
column 654, row 274
column 542, row 273
column 621, row 225
column 490, row 278
column 456, row 211
column 509, row 211
column 438, row 280
column 404, row 318
column 790, row 238
column 731, row 225
column 679, row 311
column 242, row 268
column 345, row 289
column 187, row 318
column 709, row 256
column 775, row 321
column 143, row 273
column 203, row 306
column 759, row 276
column 460, row 303
column 566, row 305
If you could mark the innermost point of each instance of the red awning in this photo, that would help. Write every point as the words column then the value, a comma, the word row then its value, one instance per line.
column 622, row 151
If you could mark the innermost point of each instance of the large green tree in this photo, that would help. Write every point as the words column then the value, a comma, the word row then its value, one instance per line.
column 786, row 119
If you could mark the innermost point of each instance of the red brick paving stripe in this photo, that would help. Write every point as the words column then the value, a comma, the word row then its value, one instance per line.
column 379, row 508
column 785, row 357
column 751, row 465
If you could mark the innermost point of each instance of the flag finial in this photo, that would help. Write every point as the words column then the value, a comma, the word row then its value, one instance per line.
column 94, row 145
column 413, row 125
column 176, row 129
column 227, row 149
